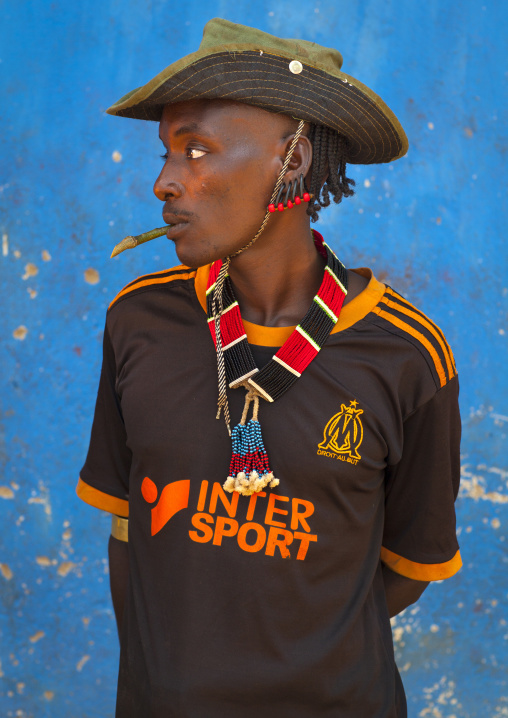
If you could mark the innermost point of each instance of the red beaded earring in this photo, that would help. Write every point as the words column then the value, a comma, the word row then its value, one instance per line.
column 303, row 190
column 291, row 198
column 278, row 204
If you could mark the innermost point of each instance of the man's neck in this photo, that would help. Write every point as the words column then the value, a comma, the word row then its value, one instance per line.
column 276, row 279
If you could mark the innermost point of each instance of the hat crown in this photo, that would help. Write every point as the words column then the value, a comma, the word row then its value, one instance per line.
column 219, row 33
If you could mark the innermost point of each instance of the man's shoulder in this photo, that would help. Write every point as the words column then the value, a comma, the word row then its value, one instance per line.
column 401, row 319
column 165, row 279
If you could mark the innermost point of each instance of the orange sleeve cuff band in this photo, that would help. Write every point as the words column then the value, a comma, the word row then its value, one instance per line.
column 420, row 571
column 102, row 501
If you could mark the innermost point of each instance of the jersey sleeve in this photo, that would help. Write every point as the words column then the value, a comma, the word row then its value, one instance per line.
column 419, row 539
column 104, row 479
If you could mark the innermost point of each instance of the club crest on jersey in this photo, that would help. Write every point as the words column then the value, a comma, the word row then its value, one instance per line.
column 343, row 435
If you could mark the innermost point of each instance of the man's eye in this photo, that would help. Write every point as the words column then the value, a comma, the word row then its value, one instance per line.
column 164, row 156
column 194, row 154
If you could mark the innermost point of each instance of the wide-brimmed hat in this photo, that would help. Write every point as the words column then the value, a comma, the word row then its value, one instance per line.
column 294, row 77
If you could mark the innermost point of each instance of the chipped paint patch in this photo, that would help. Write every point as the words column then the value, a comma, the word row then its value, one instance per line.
column 49, row 695
column 43, row 499
column 474, row 486
column 495, row 523
column 398, row 632
column 46, row 256
column 37, row 636
column 5, row 244
column 116, row 156
column 17, row 253
column 6, row 492
column 441, row 696
column 6, row 571
column 65, row 568
column 31, row 292
column 31, row 270
column 43, row 561
column 20, row 333
column 91, row 276
column 81, row 662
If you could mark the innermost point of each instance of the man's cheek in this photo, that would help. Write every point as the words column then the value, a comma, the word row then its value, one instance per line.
column 215, row 194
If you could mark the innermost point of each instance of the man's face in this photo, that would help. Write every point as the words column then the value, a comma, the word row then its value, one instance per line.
column 221, row 164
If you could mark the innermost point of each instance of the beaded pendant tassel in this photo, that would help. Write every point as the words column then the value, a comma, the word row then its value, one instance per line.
column 249, row 471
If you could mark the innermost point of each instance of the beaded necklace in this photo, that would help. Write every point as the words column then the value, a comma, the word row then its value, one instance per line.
column 249, row 471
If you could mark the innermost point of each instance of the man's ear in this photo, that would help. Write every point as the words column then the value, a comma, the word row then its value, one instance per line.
column 301, row 159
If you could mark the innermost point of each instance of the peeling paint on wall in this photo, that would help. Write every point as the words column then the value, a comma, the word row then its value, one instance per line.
column 475, row 485
column 6, row 571
column 31, row 270
column 91, row 276
column 44, row 561
column 81, row 663
column 20, row 332
column 36, row 636
column 65, row 568
column 6, row 492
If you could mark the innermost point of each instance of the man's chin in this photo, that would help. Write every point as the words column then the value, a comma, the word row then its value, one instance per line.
column 196, row 253
column 191, row 257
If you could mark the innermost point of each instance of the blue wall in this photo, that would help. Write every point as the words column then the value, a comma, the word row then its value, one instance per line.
column 430, row 224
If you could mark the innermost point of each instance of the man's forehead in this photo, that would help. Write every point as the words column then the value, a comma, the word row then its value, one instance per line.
column 212, row 115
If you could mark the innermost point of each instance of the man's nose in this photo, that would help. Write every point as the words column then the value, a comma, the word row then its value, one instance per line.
column 166, row 185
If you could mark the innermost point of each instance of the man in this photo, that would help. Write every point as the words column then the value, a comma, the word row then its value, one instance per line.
column 266, row 589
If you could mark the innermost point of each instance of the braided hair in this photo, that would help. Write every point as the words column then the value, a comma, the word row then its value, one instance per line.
column 329, row 150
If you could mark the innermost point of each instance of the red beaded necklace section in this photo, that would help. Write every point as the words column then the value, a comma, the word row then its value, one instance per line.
column 302, row 345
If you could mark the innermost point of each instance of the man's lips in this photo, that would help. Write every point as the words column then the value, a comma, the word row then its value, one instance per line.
column 174, row 218
column 177, row 225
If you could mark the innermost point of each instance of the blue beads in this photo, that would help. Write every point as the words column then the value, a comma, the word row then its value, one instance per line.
column 248, row 447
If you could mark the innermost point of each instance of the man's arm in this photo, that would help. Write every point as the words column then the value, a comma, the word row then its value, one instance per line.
column 118, row 552
column 400, row 591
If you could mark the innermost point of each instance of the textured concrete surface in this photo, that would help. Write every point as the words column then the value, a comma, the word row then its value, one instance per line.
column 73, row 182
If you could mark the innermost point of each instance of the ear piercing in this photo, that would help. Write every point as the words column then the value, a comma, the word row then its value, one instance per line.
column 290, row 197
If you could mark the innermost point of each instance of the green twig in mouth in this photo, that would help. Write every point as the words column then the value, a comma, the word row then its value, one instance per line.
column 131, row 242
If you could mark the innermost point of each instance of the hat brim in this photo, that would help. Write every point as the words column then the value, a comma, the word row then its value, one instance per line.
column 263, row 79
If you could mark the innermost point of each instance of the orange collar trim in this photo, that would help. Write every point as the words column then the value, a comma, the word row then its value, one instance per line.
column 263, row 336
